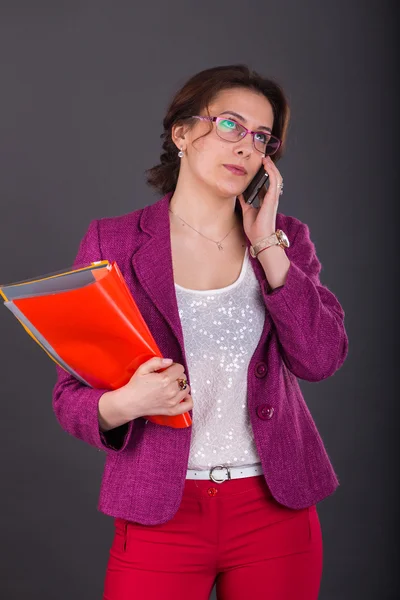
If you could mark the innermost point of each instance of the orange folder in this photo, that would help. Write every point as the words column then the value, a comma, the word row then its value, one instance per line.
column 89, row 324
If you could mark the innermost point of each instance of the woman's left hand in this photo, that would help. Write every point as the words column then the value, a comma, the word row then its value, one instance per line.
column 260, row 222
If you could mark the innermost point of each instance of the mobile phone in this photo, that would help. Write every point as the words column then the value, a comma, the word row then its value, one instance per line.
column 255, row 185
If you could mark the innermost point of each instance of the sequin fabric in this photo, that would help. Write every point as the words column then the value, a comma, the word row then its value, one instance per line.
column 221, row 330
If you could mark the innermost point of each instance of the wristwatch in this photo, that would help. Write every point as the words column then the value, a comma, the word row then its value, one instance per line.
column 279, row 238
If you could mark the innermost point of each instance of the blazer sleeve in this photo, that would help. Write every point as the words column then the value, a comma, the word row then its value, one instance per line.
column 75, row 404
column 308, row 317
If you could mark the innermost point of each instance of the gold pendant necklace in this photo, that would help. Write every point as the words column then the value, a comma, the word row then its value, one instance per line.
column 219, row 245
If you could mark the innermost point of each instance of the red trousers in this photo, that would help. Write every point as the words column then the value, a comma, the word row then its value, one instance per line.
column 233, row 534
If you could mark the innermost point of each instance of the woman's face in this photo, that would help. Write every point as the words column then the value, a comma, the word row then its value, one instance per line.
column 205, row 159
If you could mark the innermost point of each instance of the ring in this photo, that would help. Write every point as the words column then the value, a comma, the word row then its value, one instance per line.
column 280, row 187
column 182, row 382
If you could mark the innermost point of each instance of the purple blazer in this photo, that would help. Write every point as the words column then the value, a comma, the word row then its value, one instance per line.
column 303, row 337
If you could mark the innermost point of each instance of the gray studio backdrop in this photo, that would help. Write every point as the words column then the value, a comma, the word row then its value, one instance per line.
column 84, row 87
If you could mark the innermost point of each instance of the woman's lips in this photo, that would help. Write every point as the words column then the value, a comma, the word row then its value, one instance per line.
column 235, row 170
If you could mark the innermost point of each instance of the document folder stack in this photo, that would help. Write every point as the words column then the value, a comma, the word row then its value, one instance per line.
column 87, row 321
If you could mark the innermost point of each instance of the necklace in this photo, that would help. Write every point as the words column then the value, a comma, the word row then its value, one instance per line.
column 220, row 247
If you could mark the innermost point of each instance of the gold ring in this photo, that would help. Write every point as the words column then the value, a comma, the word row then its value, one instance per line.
column 182, row 382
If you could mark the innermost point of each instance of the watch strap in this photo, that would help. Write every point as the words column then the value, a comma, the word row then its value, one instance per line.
column 271, row 240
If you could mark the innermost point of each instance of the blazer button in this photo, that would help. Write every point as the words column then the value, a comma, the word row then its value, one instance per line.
column 261, row 369
column 265, row 412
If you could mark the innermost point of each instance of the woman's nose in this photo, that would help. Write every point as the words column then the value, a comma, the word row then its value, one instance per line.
column 245, row 145
column 245, row 149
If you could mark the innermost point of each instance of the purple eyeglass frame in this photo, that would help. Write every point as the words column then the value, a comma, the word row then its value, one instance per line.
column 252, row 133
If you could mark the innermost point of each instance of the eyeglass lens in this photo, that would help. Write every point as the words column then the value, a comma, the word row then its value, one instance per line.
column 232, row 131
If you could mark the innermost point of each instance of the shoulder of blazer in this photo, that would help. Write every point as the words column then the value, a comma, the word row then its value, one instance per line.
column 120, row 223
column 124, row 233
column 120, row 234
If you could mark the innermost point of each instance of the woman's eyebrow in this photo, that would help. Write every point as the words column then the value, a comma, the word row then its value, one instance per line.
column 235, row 114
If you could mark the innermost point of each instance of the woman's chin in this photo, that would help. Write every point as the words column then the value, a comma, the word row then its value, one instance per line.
column 229, row 191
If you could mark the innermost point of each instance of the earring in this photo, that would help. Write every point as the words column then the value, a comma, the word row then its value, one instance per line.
column 180, row 153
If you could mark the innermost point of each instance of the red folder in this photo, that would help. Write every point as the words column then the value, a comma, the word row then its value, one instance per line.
column 89, row 324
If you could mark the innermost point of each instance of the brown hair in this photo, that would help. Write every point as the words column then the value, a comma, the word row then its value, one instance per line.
column 197, row 93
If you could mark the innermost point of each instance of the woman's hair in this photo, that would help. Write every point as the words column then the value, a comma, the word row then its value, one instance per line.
column 197, row 93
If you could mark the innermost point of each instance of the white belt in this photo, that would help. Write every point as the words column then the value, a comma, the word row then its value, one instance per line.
column 220, row 473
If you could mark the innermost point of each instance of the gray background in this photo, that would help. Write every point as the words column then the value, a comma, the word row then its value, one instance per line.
column 84, row 87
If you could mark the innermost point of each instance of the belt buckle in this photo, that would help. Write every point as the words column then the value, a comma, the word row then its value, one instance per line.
column 220, row 480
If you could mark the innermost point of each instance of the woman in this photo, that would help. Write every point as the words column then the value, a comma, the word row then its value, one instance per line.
column 232, row 296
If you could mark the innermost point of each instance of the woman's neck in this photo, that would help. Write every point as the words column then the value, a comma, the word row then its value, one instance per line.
column 210, row 215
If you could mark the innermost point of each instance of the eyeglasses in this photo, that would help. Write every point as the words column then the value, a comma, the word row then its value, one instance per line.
column 232, row 131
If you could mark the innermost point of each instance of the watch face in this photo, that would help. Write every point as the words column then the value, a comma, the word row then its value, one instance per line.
column 283, row 238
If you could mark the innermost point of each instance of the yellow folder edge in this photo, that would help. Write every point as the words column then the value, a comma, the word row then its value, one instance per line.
column 96, row 263
column 37, row 341
column 93, row 264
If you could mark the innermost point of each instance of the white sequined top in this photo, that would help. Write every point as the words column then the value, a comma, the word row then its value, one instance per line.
column 221, row 330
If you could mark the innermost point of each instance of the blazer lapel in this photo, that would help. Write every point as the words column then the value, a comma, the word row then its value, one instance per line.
column 152, row 262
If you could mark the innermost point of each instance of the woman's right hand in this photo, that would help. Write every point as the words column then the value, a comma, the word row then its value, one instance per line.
column 150, row 393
